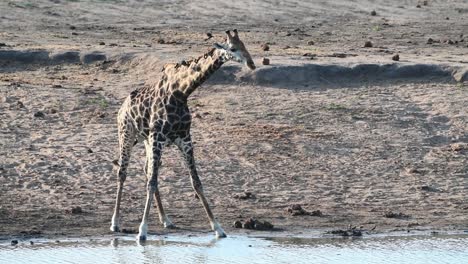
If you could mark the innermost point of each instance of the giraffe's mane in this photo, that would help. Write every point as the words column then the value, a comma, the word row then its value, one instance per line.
column 186, row 63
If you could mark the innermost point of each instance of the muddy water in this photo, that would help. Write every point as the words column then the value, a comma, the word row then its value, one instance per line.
column 241, row 249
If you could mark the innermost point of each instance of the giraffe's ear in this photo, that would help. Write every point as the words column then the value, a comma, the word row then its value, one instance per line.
column 219, row 46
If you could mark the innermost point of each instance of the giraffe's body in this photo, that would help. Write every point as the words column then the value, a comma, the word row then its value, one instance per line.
column 158, row 115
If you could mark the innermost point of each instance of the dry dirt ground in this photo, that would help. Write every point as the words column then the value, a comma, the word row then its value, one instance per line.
column 330, row 125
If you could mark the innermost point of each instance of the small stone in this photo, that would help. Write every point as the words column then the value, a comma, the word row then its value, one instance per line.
column 266, row 61
column 19, row 104
column 396, row 57
column 56, row 86
column 418, row 6
column 457, row 146
column 113, row 45
column 39, row 114
column 2, row 44
column 76, row 210
column 102, row 43
column 425, row 2
column 72, row 27
column 90, row 150
column 373, row 13
column 265, row 47
column 368, row 44
column 14, row 242
column 238, row 224
column 447, row 18
column 310, row 42
column 161, row 41
column 74, row 34
column 208, row 35
column 430, row 41
column 249, row 224
column 31, row 243
column 450, row 42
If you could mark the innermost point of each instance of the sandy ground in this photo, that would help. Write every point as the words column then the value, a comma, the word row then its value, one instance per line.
column 355, row 147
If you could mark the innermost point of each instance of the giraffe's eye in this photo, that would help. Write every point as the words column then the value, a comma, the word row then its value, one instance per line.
column 233, row 50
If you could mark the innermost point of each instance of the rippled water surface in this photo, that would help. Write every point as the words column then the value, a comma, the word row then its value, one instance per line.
column 241, row 249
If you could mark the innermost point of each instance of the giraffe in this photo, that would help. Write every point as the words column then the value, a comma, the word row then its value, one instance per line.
column 159, row 116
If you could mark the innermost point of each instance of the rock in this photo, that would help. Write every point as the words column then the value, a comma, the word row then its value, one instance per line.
column 249, row 224
column 161, row 41
column 399, row 215
column 461, row 75
column 368, row 44
column 425, row 2
column 450, row 42
column 373, row 13
column 74, row 34
column 429, row 189
column 31, row 243
column 265, row 47
column 14, row 242
column 90, row 150
column 297, row 209
column 129, row 231
column 102, row 43
column 2, row 44
column 56, row 86
column 254, row 224
column 266, row 61
column 39, row 114
column 208, row 35
column 396, row 57
column 244, row 196
column 265, row 225
column 76, row 210
column 19, row 104
column 346, row 233
column 310, row 42
column 52, row 111
column 430, row 41
column 458, row 146
column 65, row 57
column 92, row 57
column 418, row 6
column 238, row 224
column 72, row 27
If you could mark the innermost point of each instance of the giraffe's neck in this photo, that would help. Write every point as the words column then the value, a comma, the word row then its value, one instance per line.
column 185, row 77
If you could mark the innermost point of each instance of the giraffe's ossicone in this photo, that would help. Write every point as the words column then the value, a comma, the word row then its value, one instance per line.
column 158, row 115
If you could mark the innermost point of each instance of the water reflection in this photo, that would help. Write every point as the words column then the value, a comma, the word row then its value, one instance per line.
column 239, row 249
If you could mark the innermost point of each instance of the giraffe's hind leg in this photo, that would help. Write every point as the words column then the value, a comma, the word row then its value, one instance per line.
column 186, row 147
column 162, row 215
column 126, row 142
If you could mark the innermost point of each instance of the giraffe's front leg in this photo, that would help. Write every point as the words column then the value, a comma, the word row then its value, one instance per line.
column 152, row 184
column 185, row 145
column 162, row 215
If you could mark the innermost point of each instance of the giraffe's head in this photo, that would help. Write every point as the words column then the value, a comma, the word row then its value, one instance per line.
column 235, row 50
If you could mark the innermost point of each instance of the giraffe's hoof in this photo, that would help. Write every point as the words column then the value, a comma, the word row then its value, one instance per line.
column 115, row 228
column 170, row 226
column 141, row 237
column 220, row 233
